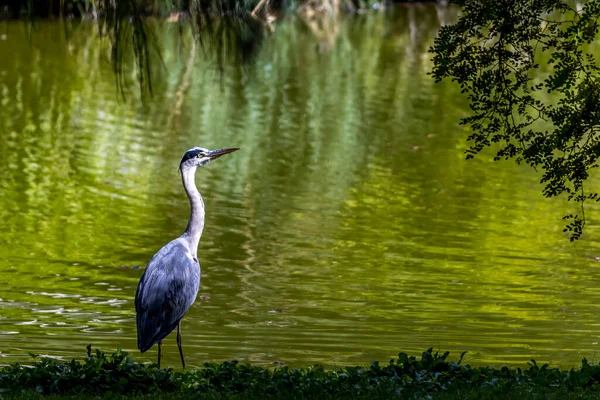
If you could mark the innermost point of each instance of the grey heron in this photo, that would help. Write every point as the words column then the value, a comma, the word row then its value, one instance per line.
column 170, row 282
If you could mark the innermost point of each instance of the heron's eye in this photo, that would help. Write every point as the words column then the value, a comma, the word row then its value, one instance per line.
column 199, row 155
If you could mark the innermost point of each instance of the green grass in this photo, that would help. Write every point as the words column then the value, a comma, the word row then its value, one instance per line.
column 432, row 376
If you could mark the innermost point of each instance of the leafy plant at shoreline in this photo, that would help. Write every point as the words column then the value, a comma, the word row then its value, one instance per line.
column 492, row 51
column 98, row 373
column 405, row 377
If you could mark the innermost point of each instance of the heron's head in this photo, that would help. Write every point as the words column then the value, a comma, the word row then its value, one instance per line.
column 198, row 156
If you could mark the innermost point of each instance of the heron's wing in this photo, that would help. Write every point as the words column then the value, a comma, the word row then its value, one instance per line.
column 166, row 291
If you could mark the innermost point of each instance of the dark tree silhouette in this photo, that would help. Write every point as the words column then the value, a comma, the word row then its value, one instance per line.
column 547, row 117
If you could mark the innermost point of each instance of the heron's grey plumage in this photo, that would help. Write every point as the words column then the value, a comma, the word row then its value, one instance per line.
column 169, row 285
column 166, row 291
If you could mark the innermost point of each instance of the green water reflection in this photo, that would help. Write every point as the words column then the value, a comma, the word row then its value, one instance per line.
column 348, row 228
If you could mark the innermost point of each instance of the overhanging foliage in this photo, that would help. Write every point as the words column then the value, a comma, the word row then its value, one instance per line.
column 496, row 52
column 223, row 28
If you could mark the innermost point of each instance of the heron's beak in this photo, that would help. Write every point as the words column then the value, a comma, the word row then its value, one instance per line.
column 221, row 152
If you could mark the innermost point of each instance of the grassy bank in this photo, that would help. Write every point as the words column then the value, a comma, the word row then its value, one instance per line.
column 432, row 376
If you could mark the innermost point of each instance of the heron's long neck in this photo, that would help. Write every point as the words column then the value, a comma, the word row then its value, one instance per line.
column 196, row 223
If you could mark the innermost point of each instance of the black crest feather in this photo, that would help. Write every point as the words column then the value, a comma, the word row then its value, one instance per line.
column 193, row 153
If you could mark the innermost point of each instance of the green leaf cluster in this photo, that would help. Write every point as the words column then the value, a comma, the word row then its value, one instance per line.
column 404, row 377
column 550, row 123
column 98, row 373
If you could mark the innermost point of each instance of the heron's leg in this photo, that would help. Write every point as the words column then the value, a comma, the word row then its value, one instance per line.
column 179, row 344
column 159, row 345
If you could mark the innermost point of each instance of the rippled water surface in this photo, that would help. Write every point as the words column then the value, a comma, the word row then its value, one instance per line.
column 348, row 228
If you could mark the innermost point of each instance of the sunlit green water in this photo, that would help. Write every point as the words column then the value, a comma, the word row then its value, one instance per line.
column 348, row 228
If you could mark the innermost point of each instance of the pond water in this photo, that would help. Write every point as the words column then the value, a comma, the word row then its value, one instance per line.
column 348, row 227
